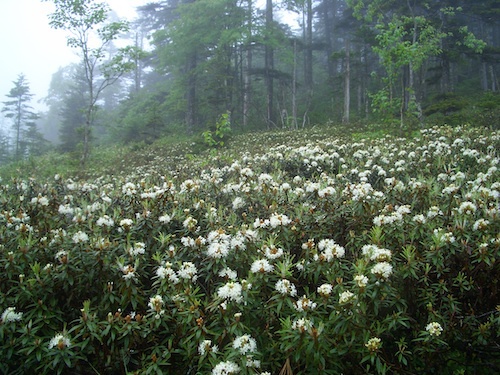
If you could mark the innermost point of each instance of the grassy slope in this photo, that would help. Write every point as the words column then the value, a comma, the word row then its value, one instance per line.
column 171, row 154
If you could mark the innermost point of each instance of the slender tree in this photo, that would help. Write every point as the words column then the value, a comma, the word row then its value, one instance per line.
column 20, row 111
column 91, row 35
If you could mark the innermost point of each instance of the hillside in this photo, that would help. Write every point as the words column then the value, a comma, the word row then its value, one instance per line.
column 294, row 252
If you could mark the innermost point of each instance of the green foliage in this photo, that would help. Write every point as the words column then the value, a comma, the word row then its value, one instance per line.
column 454, row 109
column 288, row 251
column 91, row 35
column 217, row 138
column 27, row 139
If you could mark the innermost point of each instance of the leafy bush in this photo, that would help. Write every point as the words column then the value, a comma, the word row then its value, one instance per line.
column 316, row 255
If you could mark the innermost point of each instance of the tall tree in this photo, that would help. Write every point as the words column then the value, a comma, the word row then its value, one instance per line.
column 20, row 111
column 4, row 147
column 269, row 64
column 408, row 35
column 91, row 34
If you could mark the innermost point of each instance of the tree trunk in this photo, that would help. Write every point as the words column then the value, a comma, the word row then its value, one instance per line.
column 329, row 25
column 347, row 83
column 269, row 66
column 308, row 63
column 191, row 94
column 247, row 86
column 294, row 86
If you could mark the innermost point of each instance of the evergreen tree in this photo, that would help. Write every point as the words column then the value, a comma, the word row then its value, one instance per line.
column 18, row 109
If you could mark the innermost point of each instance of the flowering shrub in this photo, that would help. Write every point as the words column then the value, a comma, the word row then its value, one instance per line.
column 320, row 256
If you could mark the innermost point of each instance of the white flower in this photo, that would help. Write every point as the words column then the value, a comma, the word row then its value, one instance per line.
column 467, row 208
column 304, row 304
column 156, row 303
column 361, row 280
column 126, row 223
column 165, row 219
column 373, row 344
column 231, row 291
column 286, row 287
column 190, row 223
column 375, row 253
column 61, row 256
column 273, row 252
column 279, row 220
column 128, row 272
column 238, row 203
column 329, row 250
column 129, row 189
column 325, row 290
column 139, row 248
column 419, row 219
column 302, row 324
column 10, row 315
column 80, row 237
column 105, row 221
column 434, row 329
column 229, row 273
column 59, row 341
column 188, row 271
column 66, row 209
column 347, row 297
column 226, row 368
column 261, row 266
column 480, row 224
column 245, row 344
column 206, row 347
column 218, row 250
column 40, row 201
column 166, row 272
column 382, row 270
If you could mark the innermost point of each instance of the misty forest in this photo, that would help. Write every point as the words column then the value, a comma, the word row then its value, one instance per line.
column 283, row 65
column 256, row 187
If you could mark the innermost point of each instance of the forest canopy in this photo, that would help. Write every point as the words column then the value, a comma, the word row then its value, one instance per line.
column 266, row 65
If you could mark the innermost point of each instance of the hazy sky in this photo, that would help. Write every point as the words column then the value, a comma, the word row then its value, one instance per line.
column 31, row 47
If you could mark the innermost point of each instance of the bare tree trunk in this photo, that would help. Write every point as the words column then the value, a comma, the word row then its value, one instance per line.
column 247, row 86
column 329, row 24
column 269, row 66
column 494, row 79
column 191, row 94
column 347, row 83
column 308, row 65
column 484, row 77
column 138, row 69
column 294, row 86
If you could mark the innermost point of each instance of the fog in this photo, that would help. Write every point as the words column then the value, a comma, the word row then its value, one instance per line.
column 31, row 47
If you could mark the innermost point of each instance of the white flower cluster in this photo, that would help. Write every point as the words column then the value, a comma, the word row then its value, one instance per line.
column 347, row 297
column 274, row 221
column 206, row 347
column 261, row 266
column 304, row 304
column 156, row 305
column 394, row 217
column 245, row 344
column 105, row 221
column 434, row 329
column 286, row 287
column 139, row 248
column 302, row 324
column 59, row 341
column 329, row 251
column 10, row 315
column 231, row 291
column 375, row 253
column 226, row 368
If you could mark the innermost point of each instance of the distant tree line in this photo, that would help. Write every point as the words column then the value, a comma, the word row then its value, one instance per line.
column 395, row 61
